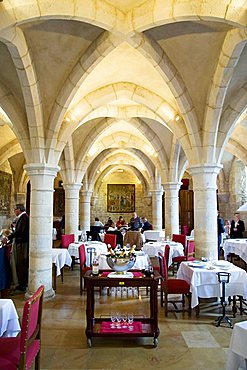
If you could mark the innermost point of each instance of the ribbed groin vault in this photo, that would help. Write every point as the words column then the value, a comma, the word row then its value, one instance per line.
column 156, row 88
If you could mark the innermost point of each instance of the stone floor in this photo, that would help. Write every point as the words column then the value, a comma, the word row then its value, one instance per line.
column 184, row 343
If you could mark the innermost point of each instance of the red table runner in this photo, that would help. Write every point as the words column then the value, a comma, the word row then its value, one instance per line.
column 135, row 327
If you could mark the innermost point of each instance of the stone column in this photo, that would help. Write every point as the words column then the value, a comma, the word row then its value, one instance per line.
column 71, row 208
column 85, row 209
column 41, row 221
column 172, row 207
column 157, row 209
column 205, row 209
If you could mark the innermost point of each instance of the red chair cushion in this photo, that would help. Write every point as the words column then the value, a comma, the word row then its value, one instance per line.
column 179, row 259
column 177, row 286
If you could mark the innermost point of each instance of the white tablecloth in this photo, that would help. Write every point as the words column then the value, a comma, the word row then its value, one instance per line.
column 204, row 283
column 60, row 257
column 9, row 323
column 154, row 235
column 153, row 249
column 237, row 246
column 100, row 248
column 142, row 260
column 237, row 353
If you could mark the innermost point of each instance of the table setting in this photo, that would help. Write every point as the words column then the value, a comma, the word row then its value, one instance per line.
column 203, row 280
column 154, row 248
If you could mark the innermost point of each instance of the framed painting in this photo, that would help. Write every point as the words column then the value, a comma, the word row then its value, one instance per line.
column 120, row 198
column 59, row 203
column 5, row 194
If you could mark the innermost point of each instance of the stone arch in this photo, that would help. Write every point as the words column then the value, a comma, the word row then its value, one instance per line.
column 137, row 94
column 17, row 46
column 9, row 150
column 231, row 50
column 107, row 158
column 130, row 168
column 157, row 13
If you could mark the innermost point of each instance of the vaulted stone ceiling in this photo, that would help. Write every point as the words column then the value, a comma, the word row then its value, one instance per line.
column 160, row 83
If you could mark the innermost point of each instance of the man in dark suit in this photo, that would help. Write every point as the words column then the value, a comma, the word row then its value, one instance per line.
column 221, row 230
column 237, row 227
column 20, row 237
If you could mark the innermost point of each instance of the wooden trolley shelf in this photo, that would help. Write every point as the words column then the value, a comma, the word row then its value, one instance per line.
column 149, row 326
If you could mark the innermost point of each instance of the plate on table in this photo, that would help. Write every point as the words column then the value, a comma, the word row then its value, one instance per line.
column 222, row 264
column 197, row 264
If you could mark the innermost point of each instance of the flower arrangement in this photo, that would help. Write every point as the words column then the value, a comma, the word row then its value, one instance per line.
column 121, row 253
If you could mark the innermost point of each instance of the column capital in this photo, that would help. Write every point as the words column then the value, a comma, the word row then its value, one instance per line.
column 86, row 193
column 206, row 168
column 41, row 169
column 204, row 176
column 172, row 186
column 72, row 186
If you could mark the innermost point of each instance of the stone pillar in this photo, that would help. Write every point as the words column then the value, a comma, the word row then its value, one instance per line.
column 41, row 221
column 172, row 207
column 71, row 208
column 205, row 209
column 157, row 209
column 85, row 209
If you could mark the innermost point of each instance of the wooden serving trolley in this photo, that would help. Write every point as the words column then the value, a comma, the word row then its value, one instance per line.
column 149, row 325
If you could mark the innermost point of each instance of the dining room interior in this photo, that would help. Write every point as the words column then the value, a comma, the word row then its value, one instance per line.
column 126, row 111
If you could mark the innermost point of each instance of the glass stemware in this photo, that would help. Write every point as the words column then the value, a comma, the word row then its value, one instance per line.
column 130, row 321
column 113, row 319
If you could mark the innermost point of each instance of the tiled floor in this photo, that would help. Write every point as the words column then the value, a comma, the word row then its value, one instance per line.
column 184, row 343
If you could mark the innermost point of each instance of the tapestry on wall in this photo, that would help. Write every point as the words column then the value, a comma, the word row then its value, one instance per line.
column 59, row 201
column 120, row 198
column 5, row 194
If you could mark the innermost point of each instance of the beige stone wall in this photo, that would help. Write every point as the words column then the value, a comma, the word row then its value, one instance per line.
column 99, row 203
column 5, row 220
column 232, row 191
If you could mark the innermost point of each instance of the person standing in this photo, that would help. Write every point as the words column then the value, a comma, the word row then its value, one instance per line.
column 237, row 227
column 221, row 230
column 20, row 238
column 135, row 223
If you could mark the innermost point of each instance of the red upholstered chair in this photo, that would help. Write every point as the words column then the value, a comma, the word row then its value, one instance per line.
column 21, row 351
column 110, row 239
column 179, row 238
column 172, row 286
column 83, row 268
column 66, row 239
column 189, row 255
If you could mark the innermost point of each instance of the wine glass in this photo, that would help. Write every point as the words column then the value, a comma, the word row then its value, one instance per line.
column 130, row 321
column 119, row 319
column 113, row 319
column 124, row 318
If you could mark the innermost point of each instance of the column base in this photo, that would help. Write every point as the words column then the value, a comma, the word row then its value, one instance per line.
column 48, row 294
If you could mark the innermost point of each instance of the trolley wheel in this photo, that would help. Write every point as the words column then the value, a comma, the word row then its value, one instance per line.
column 89, row 342
column 155, row 342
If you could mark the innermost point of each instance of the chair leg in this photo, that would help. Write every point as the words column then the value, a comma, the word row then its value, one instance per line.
column 37, row 361
column 189, row 302
column 161, row 297
column 62, row 275
column 73, row 262
column 166, row 305
column 81, row 284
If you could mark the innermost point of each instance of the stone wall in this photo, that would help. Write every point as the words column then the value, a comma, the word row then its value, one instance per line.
column 143, row 205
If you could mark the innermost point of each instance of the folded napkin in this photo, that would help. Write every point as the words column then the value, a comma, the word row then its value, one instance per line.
column 136, row 274
column 106, row 327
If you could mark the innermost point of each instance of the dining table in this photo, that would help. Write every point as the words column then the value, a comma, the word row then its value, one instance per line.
column 236, row 246
column 153, row 235
column 203, row 280
column 60, row 258
column 237, row 352
column 9, row 322
column 100, row 247
column 154, row 248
